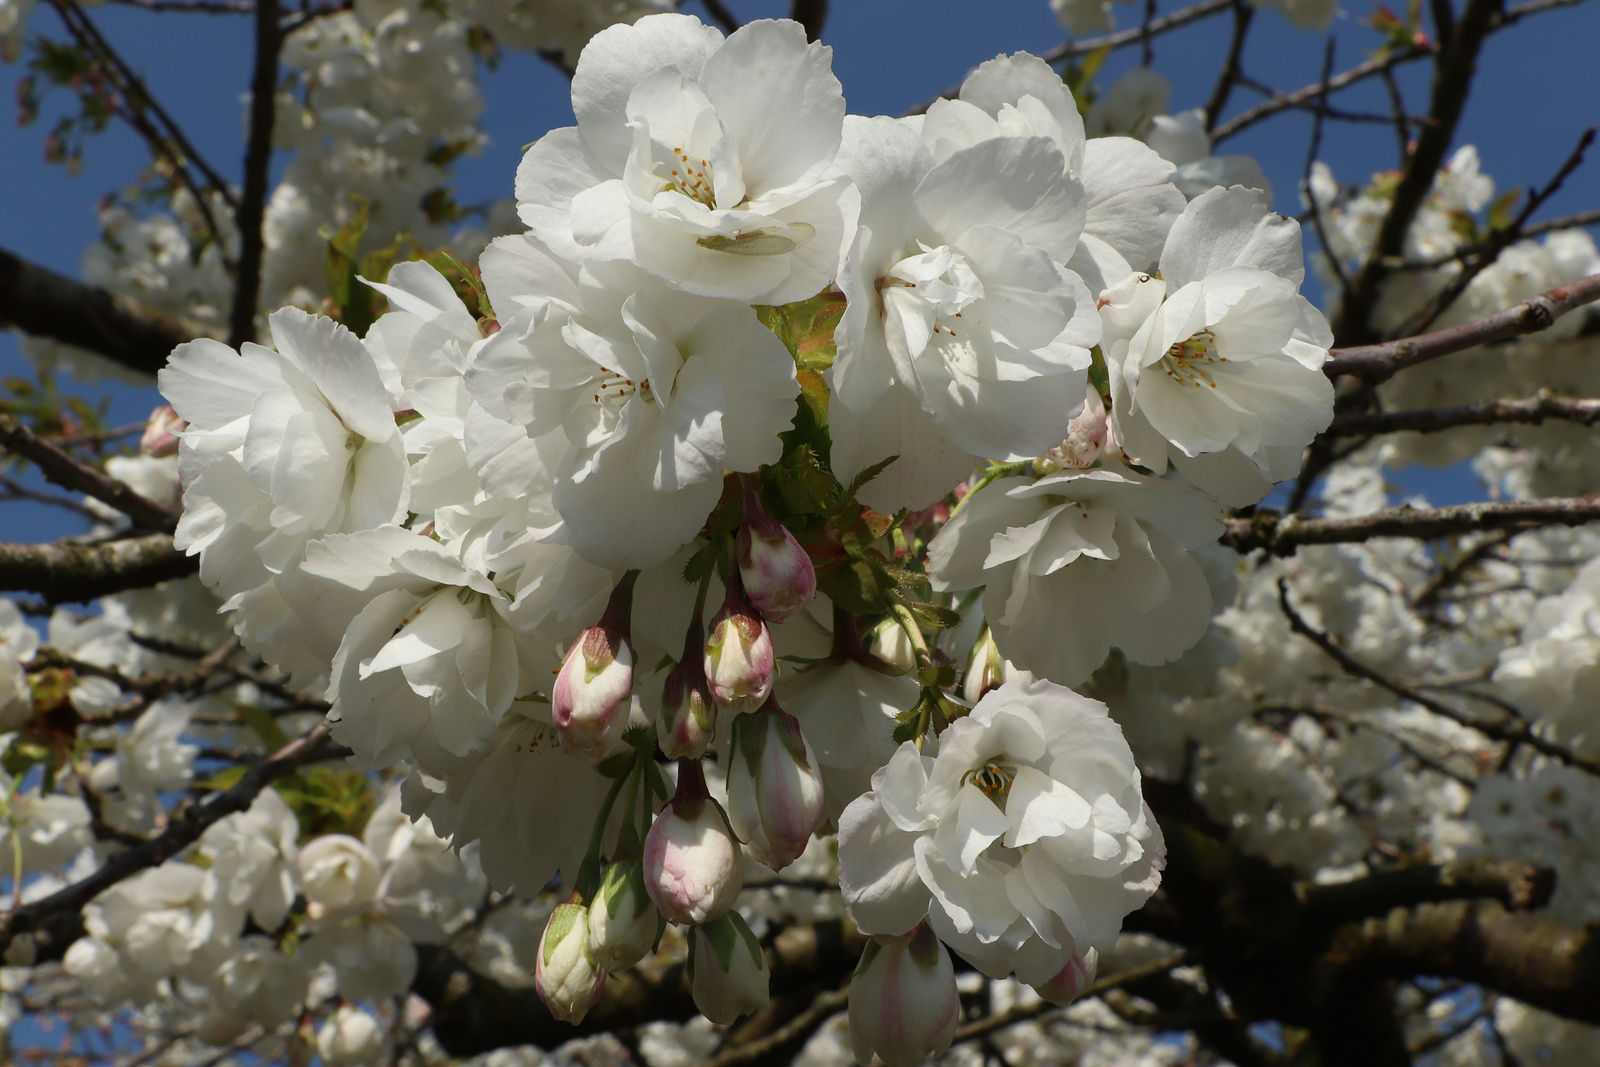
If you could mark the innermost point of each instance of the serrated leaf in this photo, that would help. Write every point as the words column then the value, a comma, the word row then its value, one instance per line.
column 866, row 475
column 935, row 616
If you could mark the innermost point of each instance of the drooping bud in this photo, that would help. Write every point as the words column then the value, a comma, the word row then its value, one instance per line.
column 774, row 786
column 1068, row 985
column 740, row 662
column 590, row 700
column 692, row 866
column 903, row 1000
column 565, row 971
column 890, row 644
column 688, row 715
column 161, row 431
column 728, row 974
column 778, row 576
column 350, row 1037
column 623, row 921
column 989, row 670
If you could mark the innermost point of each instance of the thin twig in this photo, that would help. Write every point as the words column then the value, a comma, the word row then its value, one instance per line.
column 811, row 14
column 1138, row 34
column 68, row 473
column 1033, row 1011
column 1243, row 13
column 1305, row 179
column 1563, row 222
column 251, row 210
column 10, row 489
column 1298, row 98
column 1534, row 409
column 1451, row 572
column 719, row 11
column 204, row 7
column 821, row 1009
column 1282, row 534
column 1380, row 362
column 1397, row 107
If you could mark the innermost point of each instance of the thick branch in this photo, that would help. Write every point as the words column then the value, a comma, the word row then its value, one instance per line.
column 65, row 572
column 1282, row 534
column 257, row 158
column 41, row 302
column 67, row 472
column 1380, row 362
column 182, row 832
column 1533, row 409
column 1452, row 78
column 1519, row 886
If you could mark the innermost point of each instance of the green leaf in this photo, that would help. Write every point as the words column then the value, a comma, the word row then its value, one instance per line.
column 225, row 779
column 263, row 724
column 934, row 616
column 866, row 475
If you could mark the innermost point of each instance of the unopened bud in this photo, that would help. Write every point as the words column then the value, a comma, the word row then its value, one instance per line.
column 778, row 575
column 728, row 974
column 740, row 661
column 350, row 1037
column 1068, row 985
column 590, row 702
column 774, row 786
column 161, row 431
column 688, row 712
column 890, row 644
column 903, row 1000
column 565, row 971
column 988, row 670
column 623, row 921
column 692, row 866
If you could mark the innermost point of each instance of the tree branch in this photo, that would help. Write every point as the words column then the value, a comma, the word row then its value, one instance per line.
column 182, row 832
column 1282, row 534
column 1231, row 70
column 1300, row 97
column 66, row 571
column 811, row 14
column 719, row 11
column 251, row 210
column 68, row 473
column 981, row 1027
column 1138, row 34
column 1380, row 362
column 1519, row 886
column 38, row 301
column 1534, row 409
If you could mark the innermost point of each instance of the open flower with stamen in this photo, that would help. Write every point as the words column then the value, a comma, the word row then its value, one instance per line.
column 1025, row 840
column 708, row 162
column 1216, row 366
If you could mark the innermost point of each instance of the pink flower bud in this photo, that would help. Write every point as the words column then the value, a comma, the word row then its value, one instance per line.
column 161, row 431
column 692, row 866
column 623, row 921
column 774, row 786
column 590, row 702
column 1087, row 435
column 565, row 971
column 740, row 661
column 688, row 712
column 988, row 670
column 1073, row 979
column 728, row 974
column 903, row 1000
column 778, row 575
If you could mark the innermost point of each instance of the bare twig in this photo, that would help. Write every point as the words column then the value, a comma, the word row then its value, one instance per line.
column 1544, row 405
column 68, row 473
column 719, row 11
column 1138, row 34
column 41, row 302
column 820, row 1010
column 811, row 14
column 1372, row 67
column 1562, row 222
column 11, row 489
column 66, row 571
column 251, row 208
column 205, row 7
column 1397, row 108
column 1147, row 48
column 1243, row 12
column 182, row 832
column 1512, row 731
column 1311, row 158
column 1104, row 985
column 1380, row 362
column 1282, row 534
column 1451, row 572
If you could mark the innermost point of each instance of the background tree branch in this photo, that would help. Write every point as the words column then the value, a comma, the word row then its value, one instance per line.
column 251, row 210
column 67, row 472
column 67, row 571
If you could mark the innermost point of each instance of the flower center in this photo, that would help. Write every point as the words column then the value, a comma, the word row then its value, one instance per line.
column 1186, row 362
column 994, row 780
column 692, row 177
column 614, row 390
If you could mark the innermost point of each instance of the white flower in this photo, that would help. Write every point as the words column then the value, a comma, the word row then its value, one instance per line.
column 431, row 657
column 1216, row 366
column 655, row 392
column 350, row 1037
column 428, row 888
column 1181, row 139
column 261, row 983
column 18, row 643
column 161, row 923
column 253, row 856
column 338, row 873
column 566, row 974
column 50, row 828
column 962, row 336
column 1025, row 840
column 709, row 163
column 1079, row 562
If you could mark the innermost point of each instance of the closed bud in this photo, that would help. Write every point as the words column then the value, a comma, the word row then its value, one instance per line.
column 692, row 866
column 623, row 921
column 1068, row 985
column 740, row 661
column 890, row 644
column 778, row 576
column 774, row 786
column 988, row 670
column 161, row 431
column 728, row 973
column 590, row 702
column 565, row 971
column 903, row 1000
column 688, row 713
column 350, row 1037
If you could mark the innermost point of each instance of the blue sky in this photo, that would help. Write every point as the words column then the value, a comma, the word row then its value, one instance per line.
column 1537, row 90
